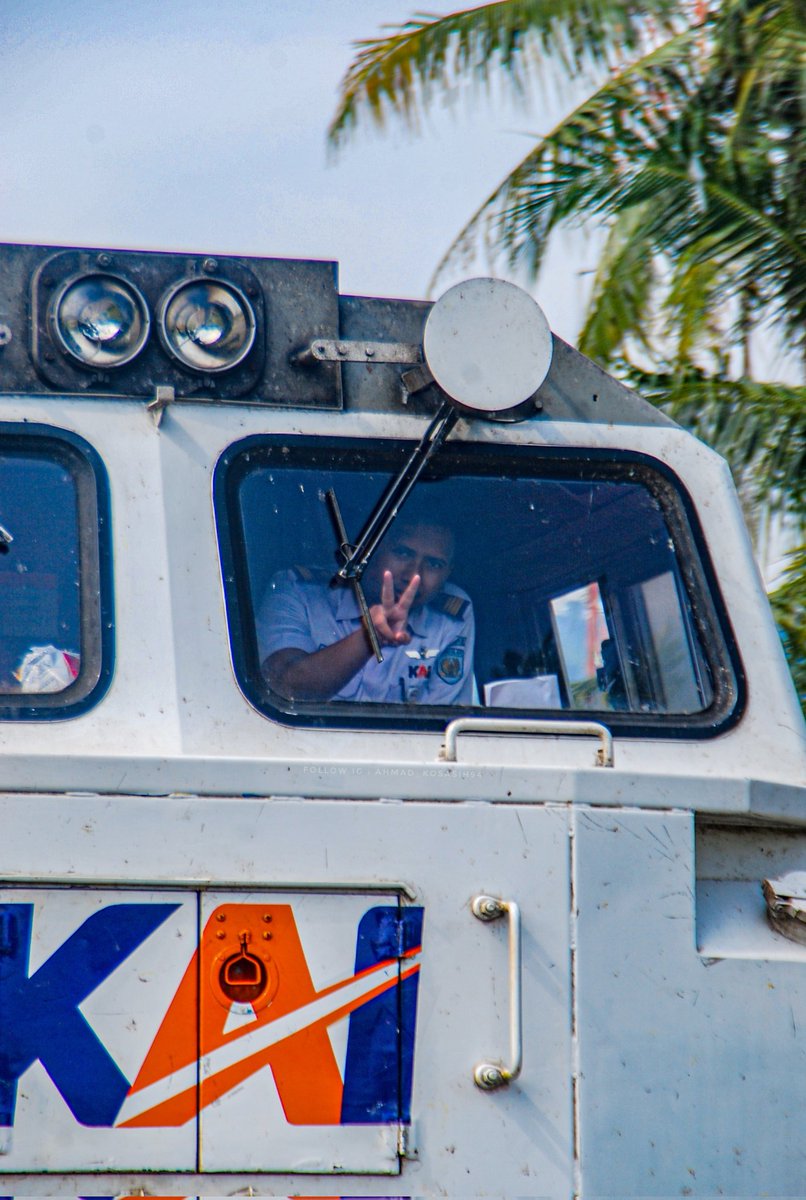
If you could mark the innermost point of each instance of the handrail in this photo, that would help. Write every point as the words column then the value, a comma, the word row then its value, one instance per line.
column 604, row 754
column 491, row 1075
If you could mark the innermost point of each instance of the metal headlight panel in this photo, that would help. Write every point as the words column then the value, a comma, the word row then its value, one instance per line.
column 205, row 327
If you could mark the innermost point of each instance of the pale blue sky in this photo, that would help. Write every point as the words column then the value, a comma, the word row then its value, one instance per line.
column 201, row 126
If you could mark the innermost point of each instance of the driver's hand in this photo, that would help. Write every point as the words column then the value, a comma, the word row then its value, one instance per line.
column 391, row 616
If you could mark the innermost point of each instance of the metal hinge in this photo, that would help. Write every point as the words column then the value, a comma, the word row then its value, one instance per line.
column 164, row 395
column 343, row 350
column 405, row 1142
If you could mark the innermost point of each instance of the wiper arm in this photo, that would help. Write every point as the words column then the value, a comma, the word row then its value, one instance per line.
column 385, row 511
column 356, row 558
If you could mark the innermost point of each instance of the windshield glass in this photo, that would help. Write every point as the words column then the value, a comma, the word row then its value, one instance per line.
column 512, row 581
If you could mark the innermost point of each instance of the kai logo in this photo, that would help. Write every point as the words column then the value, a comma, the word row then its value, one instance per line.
column 246, row 1001
column 421, row 668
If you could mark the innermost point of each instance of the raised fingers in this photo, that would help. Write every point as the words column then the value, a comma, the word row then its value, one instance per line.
column 407, row 599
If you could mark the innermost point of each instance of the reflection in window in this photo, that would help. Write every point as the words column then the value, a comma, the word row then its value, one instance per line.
column 55, row 621
column 574, row 570
column 678, row 684
column 39, row 577
column 581, row 631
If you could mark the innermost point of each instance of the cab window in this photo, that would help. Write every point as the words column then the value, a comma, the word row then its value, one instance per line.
column 551, row 583
column 55, row 593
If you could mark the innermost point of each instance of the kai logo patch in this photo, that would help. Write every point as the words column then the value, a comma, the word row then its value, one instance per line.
column 421, row 669
column 210, row 1040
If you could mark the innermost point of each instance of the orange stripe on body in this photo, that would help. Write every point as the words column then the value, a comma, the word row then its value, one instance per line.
column 304, row 1066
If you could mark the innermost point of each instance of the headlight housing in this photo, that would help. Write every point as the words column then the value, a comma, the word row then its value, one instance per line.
column 207, row 325
column 100, row 320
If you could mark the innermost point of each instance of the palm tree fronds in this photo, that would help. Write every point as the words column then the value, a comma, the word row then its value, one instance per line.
column 400, row 72
column 789, row 609
column 623, row 285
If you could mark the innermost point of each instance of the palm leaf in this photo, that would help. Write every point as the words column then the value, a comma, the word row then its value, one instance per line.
column 759, row 427
column 570, row 174
column 401, row 71
column 622, row 289
column 789, row 608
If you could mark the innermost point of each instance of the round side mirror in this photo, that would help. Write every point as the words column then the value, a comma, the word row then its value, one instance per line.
column 488, row 345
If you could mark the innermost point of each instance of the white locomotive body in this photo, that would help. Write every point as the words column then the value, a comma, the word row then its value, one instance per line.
column 390, row 942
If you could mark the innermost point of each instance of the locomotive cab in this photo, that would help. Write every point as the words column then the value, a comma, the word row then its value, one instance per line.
column 395, row 739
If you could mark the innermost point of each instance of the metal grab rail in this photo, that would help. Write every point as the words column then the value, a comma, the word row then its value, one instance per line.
column 604, row 754
column 489, row 1075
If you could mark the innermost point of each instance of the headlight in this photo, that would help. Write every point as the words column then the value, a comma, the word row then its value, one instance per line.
column 207, row 325
column 100, row 320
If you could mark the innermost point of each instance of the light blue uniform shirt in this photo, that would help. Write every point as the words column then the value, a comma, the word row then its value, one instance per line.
column 436, row 667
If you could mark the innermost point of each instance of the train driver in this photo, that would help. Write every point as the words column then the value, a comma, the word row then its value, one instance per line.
column 313, row 645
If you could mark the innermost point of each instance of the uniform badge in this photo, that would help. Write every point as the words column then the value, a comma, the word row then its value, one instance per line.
column 451, row 663
column 421, row 670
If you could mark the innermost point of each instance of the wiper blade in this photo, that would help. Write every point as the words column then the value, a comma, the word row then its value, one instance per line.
column 345, row 549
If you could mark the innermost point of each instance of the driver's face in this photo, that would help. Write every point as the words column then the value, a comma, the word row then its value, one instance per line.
column 424, row 550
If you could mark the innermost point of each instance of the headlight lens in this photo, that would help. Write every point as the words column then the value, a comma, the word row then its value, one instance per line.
column 101, row 320
column 208, row 325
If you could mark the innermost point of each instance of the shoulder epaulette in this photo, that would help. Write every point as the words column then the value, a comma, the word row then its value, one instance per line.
column 451, row 606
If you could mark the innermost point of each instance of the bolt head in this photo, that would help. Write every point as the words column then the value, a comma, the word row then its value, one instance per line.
column 488, row 1077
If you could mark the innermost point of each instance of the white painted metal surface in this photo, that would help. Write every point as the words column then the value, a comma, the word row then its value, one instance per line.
column 661, row 1046
column 47, row 1134
column 175, row 720
column 447, row 854
column 692, row 1060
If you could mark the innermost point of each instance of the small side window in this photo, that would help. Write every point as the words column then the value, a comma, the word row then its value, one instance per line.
column 55, row 584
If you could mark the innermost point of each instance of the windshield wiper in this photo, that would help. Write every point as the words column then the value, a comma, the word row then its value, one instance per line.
column 356, row 558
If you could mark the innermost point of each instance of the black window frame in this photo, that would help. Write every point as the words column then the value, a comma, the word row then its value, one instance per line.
column 96, row 619
column 708, row 610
